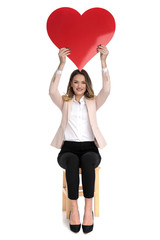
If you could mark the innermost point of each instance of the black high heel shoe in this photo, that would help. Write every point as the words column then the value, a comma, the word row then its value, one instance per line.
column 74, row 228
column 88, row 228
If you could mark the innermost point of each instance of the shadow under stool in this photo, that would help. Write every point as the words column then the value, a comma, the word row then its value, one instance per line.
column 66, row 200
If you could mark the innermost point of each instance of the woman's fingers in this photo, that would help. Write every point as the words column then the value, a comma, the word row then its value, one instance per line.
column 102, row 46
column 64, row 49
column 102, row 49
column 64, row 52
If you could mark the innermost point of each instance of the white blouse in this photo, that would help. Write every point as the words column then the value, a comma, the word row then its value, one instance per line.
column 78, row 128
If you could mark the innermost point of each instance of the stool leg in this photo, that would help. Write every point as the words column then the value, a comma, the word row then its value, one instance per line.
column 63, row 194
column 68, row 207
column 96, row 194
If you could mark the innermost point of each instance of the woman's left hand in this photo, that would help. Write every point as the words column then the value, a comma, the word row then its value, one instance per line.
column 103, row 52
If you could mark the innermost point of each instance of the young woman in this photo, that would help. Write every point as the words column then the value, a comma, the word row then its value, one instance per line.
column 78, row 136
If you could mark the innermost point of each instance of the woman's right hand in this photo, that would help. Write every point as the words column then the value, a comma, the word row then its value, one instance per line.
column 63, row 52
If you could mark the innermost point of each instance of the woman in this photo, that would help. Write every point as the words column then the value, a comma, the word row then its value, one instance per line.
column 78, row 136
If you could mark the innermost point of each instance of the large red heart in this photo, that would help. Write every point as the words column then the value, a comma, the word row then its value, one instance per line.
column 66, row 27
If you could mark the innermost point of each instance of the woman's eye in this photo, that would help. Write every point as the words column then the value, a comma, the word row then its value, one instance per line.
column 82, row 82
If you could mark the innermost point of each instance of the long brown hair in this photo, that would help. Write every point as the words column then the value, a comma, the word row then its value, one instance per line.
column 89, row 93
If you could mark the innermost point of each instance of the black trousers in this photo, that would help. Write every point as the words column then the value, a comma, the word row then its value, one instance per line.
column 75, row 155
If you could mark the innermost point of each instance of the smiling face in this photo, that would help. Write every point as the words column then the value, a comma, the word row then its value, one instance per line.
column 79, row 85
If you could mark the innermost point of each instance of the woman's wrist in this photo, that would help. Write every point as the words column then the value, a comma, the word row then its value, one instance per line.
column 104, row 69
column 103, row 64
column 61, row 66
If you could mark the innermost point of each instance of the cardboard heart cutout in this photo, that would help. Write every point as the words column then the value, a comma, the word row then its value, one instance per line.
column 66, row 27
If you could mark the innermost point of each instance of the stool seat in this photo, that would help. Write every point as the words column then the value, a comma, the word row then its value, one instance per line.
column 66, row 200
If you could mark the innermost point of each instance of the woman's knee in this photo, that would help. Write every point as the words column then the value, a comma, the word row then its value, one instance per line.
column 68, row 159
column 90, row 159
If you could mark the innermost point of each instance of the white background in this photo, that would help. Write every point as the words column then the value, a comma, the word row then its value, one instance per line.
column 30, row 178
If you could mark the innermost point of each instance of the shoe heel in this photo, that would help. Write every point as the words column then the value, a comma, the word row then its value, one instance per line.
column 88, row 228
column 74, row 228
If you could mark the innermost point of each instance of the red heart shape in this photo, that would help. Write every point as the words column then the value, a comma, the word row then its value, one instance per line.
column 66, row 27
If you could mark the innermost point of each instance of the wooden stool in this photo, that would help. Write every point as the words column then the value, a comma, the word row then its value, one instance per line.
column 66, row 200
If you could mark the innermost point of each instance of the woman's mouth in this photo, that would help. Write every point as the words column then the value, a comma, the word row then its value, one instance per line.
column 79, row 89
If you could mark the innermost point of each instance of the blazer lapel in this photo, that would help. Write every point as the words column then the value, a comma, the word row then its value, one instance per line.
column 89, row 108
column 69, row 107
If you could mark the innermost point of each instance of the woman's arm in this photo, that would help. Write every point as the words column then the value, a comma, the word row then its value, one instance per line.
column 53, row 88
column 104, row 92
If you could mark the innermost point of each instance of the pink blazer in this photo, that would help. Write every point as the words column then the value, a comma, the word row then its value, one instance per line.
column 92, row 106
